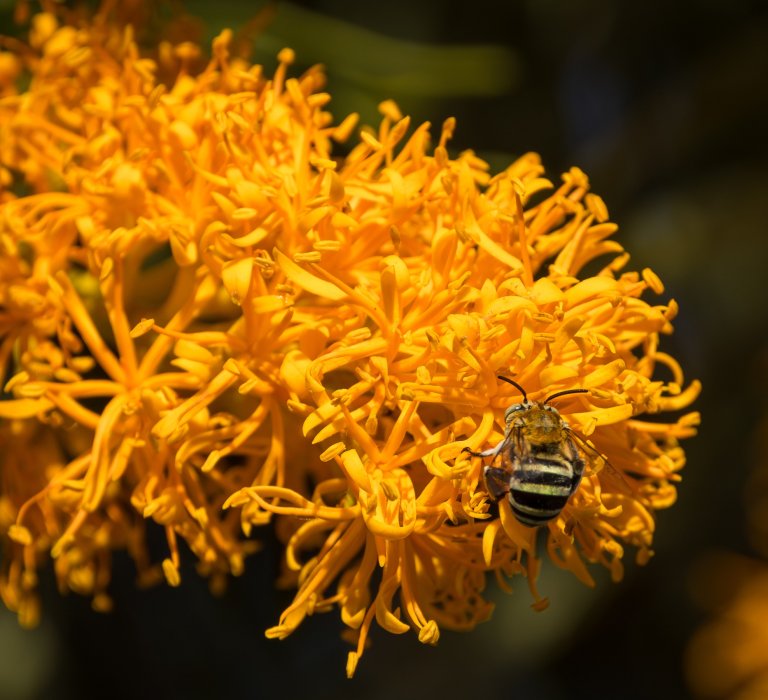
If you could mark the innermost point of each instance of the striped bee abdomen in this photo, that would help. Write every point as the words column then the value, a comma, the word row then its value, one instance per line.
column 540, row 486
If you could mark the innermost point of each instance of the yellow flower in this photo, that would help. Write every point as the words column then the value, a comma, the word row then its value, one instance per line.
column 728, row 656
column 214, row 323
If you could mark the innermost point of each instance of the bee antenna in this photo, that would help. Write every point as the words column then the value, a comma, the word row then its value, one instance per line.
column 514, row 384
column 558, row 394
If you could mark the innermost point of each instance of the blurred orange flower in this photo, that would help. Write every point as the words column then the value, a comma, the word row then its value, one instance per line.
column 728, row 656
column 210, row 322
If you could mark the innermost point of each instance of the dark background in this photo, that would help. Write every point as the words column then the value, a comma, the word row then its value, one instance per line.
column 665, row 106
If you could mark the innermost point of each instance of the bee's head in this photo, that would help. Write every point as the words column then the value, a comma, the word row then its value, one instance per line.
column 543, row 424
column 540, row 421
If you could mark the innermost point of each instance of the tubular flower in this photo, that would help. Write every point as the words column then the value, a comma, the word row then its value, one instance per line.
column 211, row 323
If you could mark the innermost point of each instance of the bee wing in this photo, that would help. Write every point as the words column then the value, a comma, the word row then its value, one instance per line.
column 624, row 485
column 497, row 478
column 513, row 450
column 496, row 481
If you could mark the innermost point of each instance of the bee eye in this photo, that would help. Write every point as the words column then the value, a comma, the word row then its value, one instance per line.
column 514, row 408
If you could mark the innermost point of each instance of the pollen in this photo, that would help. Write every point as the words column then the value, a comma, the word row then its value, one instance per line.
column 212, row 323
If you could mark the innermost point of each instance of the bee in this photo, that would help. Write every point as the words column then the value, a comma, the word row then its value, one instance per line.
column 541, row 465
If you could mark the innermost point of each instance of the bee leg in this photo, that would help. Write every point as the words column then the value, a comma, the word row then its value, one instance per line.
column 496, row 481
column 492, row 452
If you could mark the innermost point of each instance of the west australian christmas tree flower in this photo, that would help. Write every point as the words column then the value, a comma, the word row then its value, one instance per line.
column 210, row 321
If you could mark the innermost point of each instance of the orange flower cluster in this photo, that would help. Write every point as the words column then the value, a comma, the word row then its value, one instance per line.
column 210, row 323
